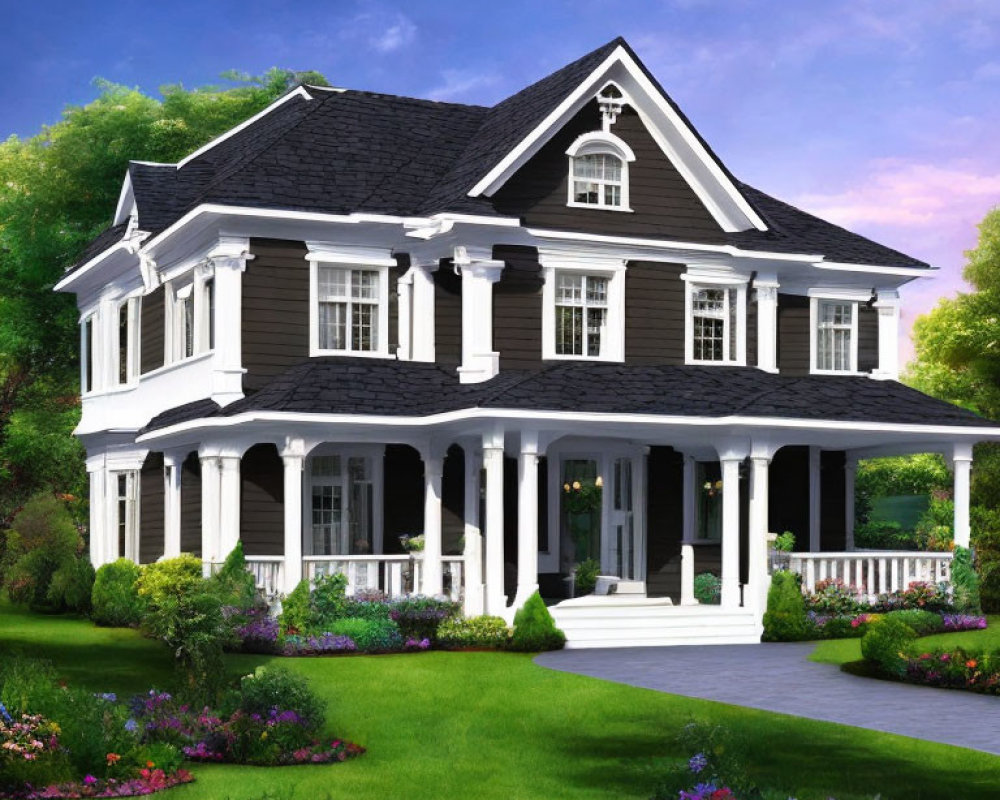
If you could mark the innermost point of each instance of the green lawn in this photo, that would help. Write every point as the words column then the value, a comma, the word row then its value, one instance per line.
column 495, row 725
column 842, row 651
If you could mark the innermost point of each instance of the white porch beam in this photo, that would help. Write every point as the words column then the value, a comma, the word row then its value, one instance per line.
column 293, row 459
column 479, row 272
column 850, row 473
column 229, row 504
column 432, row 578
column 961, row 460
column 473, row 534
column 767, row 323
column 496, row 600
column 815, row 518
column 688, row 520
column 210, row 507
column 172, row 504
column 527, row 519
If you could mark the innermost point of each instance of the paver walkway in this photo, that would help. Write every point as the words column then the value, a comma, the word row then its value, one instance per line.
column 779, row 677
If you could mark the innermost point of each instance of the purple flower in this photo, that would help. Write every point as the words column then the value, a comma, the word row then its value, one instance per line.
column 90, row 780
column 698, row 762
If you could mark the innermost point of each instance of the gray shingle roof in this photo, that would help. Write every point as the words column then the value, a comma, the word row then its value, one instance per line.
column 399, row 388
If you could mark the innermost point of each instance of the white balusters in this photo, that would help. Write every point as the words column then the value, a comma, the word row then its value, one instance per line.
column 873, row 572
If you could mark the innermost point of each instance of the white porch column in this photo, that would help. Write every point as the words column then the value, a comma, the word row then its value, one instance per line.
column 210, row 507
column 730, row 529
column 229, row 504
column 473, row 534
column 479, row 273
column 688, row 533
column 172, row 504
column 527, row 519
column 961, row 460
column 814, row 500
column 887, row 305
column 757, row 545
column 229, row 259
column 293, row 458
column 767, row 323
column 422, row 321
column 100, row 553
column 431, row 577
column 850, row 472
column 496, row 600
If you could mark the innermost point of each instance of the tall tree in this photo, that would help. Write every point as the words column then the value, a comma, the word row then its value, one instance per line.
column 58, row 189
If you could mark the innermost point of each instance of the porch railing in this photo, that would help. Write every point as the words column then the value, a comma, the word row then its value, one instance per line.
column 393, row 575
column 872, row 572
column 453, row 569
column 268, row 573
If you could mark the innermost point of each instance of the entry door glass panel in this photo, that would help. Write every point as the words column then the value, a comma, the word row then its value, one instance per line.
column 581, row 500
column 342, row 505
column 623, row 541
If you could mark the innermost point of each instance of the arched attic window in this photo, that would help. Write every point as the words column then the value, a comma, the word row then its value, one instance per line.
column 598, row 171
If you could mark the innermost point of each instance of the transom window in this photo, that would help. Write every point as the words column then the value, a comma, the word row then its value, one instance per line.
column 348, row 309
column 581, row 314
column 597, row 180
column 715, row 323
column 835, row 323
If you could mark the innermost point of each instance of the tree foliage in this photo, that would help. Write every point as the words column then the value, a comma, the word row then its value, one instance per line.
column 58, row 189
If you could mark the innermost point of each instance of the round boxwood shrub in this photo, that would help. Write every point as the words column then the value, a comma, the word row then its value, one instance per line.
column 115, row 598
column 885, row 645
column 785, row 619
column 922, row 622
column 534, row 628
column 171, row 578
column 484, row 631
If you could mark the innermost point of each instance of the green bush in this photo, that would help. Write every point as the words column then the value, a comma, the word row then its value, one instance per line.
column 329, row 600
column 885, row 645
column 234, row 584
column 839, row 627
column 585, row 576
column 785, row 619
column 369, row 635
column 922, row 622
column 419, row 617
column 115, row 600
column 964, row 582
column 534, row 628
column 272, row 687
column 71, row 585
column 883, row 535
column 172, row 577
column 484, row 631
column 935, row 528
column 296, row 610
column 707, row 588
column 833, row 597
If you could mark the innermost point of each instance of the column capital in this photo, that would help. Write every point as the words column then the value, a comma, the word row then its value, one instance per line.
column 478, row 262
column 493, row 439
column 293, row 447
column 961, row 451
column 529, row 442
column 231, row 252
column 174, row 458
column 735, row 449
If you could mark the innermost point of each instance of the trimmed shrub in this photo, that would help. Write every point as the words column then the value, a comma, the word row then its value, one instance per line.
column 275, row 688
column 534, row 628
column 369, row 635
column 923, row 623
column 585, row 576
column 885, row 645
column 71, row 585
column 484, row 631
column 115, row 600
column 296, row 610
column 233, row 583
column 419, row 617
column 964, row 582
column 172, row 577
column 707, row 588
column 785, row 619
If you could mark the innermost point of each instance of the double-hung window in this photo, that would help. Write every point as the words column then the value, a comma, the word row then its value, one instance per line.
column 584, row 312
column 716, row 322
column 834, row 334
column 191, row 321
column 349, row 306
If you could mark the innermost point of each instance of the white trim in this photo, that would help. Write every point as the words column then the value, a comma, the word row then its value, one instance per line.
column 613, row 343
column 382, row 270
column 132, row 365
column 600, row 143
column 852, row 299
column 66, row 280
column 126, row 201
column 297, row 92
column 914, row 272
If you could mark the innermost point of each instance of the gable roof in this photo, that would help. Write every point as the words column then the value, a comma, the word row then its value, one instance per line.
column 348, row 151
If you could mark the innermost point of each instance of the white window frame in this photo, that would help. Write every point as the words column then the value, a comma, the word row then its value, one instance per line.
column 854, row 299
column 133, row 310
column 131, row 499
column 380, row 266
column 613, row 345
column 88, row 354
column 600, row 143
column 193, row 287
column 697, row 282
column 375, row 455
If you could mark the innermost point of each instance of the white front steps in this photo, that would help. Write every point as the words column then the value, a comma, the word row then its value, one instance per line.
column 622, row 621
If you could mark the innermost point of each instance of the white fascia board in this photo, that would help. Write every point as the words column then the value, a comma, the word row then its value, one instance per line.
column 910, row 272
column 67, row 281
column 126, row 200
column 574, row 418
column 298, row 92
column 533, row 142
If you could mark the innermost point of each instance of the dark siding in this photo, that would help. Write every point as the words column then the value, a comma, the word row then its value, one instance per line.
column 833, row 536
column 751, row 331
column 152, row 331
column 664, row 522
column 517, row 309
column 793, row 334
column 403, row 498
column 663, row 204
column 275, row 319
column 654, row 313
column 191, row 505
column 452, row 502
column 788, row 494
column 151, row 509
column 867, row 338
column 447, row 317
column 262, row 501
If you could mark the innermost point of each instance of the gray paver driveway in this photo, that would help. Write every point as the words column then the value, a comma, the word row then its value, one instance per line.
column 779, row 677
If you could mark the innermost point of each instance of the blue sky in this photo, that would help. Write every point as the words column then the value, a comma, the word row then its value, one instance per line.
column 881, row 115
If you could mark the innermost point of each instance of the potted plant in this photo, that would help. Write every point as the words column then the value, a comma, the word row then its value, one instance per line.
column 580, row 500
column 781, row 548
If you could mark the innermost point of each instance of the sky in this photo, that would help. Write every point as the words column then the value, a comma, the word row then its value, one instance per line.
column 878, row 115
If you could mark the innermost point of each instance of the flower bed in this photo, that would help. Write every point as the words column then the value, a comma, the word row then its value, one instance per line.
column 955, row 669
column 148, row 781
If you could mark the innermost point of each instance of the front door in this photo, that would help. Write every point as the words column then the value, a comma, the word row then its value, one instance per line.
column 620, row 553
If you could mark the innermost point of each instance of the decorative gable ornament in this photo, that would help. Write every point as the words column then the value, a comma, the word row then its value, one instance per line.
column 610, row 99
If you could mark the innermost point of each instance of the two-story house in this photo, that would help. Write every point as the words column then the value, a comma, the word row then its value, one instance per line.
column 552, row 330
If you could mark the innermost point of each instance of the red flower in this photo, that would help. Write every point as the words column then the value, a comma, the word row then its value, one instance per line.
column 971, row 663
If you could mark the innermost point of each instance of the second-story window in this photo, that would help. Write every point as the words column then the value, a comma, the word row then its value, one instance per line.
column 834, row 335
column 597, row 180
column 87, row 351
column 581, row 310
column 716, row 318
column 349, row 309
column 128, row 340
column 185, row 321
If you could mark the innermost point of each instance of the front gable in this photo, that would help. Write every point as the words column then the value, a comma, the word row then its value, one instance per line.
column 663, row 205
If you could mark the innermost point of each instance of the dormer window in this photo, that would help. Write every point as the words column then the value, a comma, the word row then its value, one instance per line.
column 598, row 172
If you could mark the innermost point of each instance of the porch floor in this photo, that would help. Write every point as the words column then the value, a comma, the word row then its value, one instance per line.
column 779, row 677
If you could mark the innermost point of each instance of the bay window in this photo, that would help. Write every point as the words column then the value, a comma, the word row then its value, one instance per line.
column 128, row 340
column 191, row 321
